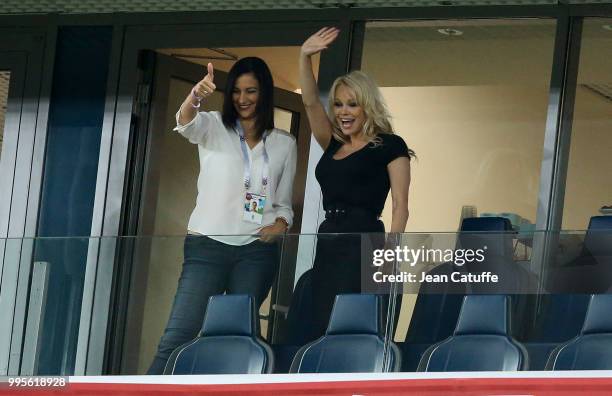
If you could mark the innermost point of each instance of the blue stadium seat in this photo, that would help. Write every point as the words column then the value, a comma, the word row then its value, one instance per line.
column 481, row 341
column 598, row 238
column 562, row 313
column 591, row 271
column 228, row 343
column 592, row 348
column 598, row 246
column 437, row 307
column 495, row 235
column 352, row 342
column 493, row 232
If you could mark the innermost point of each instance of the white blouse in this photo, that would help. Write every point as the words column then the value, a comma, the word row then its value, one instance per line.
column 221, row 192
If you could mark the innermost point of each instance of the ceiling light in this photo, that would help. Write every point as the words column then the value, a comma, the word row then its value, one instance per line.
column 450, row 32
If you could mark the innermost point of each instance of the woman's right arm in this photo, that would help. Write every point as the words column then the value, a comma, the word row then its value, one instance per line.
column 188, row 110
column 319, row 122
column 191, row 104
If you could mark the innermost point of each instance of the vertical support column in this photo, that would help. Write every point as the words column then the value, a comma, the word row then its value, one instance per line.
column 36, row 312
column 26, row 128
column 556, row 142
column 94, row 255
column 72, row 149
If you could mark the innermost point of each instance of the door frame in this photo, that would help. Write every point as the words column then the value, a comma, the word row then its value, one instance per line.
column 29, row 54
column 150, row 120
column 109, row 214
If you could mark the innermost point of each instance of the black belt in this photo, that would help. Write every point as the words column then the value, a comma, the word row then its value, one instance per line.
column 339, row 212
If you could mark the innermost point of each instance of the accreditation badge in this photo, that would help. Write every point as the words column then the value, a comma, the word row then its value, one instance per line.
column 253, row 208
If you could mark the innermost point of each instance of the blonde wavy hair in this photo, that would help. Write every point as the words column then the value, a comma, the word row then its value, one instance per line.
column 369, row 97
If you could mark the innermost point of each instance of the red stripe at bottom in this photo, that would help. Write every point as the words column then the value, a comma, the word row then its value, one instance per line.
column 425, row 387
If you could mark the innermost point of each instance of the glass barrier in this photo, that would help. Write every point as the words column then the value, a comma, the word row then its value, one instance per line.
column 488, row 262
column 411, row 286
column 489, row 78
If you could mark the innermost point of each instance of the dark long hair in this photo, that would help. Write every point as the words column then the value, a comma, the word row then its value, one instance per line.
column 264, row 109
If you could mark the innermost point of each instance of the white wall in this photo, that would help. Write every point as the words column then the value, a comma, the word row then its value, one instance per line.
column 589, row 175
column 476, row 145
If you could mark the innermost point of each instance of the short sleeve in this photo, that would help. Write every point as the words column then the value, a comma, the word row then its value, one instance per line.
column 394, row 147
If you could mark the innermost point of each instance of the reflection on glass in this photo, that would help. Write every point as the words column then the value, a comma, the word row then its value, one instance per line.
column 470, row 97
column 472, row 104
column 174, row 188
column 582, row 266
column 173, row 184
column 588, row 190
column 5, row 77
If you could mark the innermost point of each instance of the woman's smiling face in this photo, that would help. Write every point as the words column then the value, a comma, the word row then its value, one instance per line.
column 349, row 115
column 245, row 96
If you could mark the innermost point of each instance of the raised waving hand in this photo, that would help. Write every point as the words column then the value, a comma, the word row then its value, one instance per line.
column 317, row 117
column 319, row 41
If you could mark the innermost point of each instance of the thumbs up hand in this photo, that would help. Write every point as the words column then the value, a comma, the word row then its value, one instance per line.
column 206, row 86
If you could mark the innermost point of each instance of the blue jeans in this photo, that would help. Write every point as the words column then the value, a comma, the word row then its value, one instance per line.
column 211, row 268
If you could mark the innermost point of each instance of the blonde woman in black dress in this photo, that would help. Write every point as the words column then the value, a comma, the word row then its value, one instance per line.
column 362, row 161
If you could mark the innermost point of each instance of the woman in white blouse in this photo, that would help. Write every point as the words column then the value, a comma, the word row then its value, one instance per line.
column 245, row 163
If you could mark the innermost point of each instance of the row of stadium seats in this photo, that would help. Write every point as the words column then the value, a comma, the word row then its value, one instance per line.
column 542, row 321
column 229, row 341
column 553, row 318
column 481, row 341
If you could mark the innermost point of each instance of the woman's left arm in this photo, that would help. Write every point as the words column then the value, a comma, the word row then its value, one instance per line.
column 283, row 205
column 399, row 175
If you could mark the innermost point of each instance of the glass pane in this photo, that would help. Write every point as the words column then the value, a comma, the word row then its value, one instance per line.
column 588, row 190
column 173, row 188
column 5, row 78
column 470, row 98
column 442, row 274
column 466, row 96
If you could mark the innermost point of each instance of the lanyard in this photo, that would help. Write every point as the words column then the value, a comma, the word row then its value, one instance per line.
column 247, row 160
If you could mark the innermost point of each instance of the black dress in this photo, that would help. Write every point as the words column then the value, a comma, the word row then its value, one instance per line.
column 354, row 189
